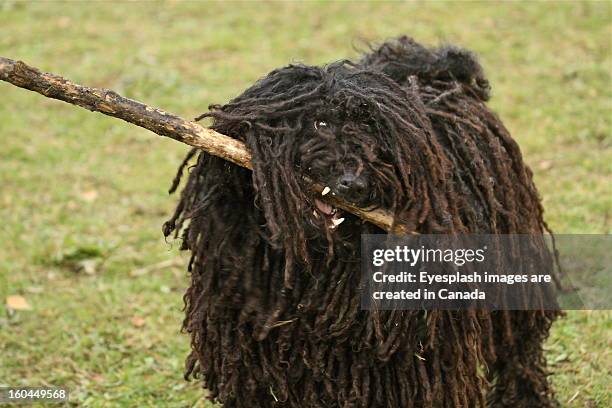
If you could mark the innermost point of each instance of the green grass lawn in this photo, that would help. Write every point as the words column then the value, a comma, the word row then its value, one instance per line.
column 83, row 197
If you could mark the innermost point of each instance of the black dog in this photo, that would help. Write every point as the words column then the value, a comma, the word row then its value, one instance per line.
column 273, row 308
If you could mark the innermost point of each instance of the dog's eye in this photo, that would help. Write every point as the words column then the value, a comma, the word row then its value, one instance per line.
column 319, row 124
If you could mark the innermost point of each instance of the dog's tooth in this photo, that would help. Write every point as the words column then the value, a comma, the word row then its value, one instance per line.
column 338, row 221
column 325, row 190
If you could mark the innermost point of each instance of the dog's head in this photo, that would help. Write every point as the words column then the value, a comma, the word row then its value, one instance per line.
column 352, row 130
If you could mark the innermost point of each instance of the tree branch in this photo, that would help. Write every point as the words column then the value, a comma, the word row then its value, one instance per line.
column 162, row 123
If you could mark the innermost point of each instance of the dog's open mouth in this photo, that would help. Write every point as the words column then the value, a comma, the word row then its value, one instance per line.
column 331, row 214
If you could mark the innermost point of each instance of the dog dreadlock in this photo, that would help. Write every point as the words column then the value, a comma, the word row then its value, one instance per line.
column 273, row 308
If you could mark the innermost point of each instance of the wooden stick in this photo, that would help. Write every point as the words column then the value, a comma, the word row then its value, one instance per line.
column 162, row 123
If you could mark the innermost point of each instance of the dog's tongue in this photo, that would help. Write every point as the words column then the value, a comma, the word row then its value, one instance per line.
column 323, row 207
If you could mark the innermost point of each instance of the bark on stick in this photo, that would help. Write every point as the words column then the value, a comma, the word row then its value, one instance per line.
column 162, row 123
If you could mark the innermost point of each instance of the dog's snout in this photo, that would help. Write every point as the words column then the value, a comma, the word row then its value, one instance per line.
column 352, row 187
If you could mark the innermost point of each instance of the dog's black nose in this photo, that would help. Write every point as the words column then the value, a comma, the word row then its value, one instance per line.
column 353, row 188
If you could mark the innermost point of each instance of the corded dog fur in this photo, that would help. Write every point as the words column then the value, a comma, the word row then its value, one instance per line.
column 273, row 308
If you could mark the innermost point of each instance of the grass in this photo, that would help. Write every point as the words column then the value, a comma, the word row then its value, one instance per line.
column 84, row 196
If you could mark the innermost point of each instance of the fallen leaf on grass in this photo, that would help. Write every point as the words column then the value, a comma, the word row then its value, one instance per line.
column 17, row 302
column 64, row 22
column 559, row 359
column 89, row 196
column 138, row 321
column 88, row 266
column 97, row 378
column 545, row 165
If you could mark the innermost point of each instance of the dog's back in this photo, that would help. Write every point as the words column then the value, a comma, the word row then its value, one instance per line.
column 452, row 87
column 403, row 57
